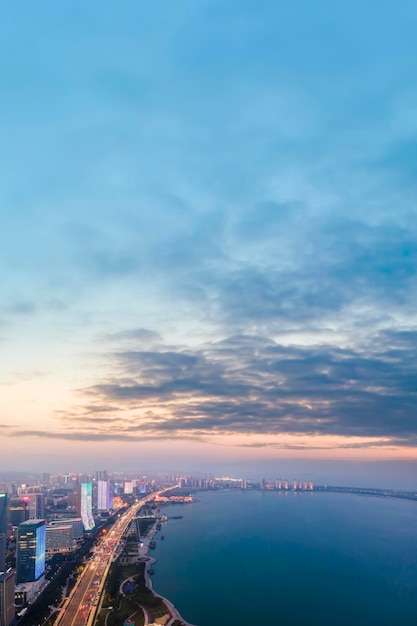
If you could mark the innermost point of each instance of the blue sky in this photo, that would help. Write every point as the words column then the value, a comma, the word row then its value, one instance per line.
column 208, row 228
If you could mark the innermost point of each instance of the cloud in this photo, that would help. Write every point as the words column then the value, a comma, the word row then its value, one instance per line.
column 90, row 436
column 253, row 385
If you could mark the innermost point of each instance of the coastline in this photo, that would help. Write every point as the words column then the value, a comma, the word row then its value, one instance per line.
column 175, row 614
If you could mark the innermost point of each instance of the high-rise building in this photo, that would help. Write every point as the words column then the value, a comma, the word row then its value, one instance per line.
column 85, row 505
column 35, row 505
column 101, row 475
column 278, row 484
column 7, row 583
column 46, row 478
column 30, row 561
column 104, row 495
column 244, row 483
column 3, row 530
column 17, row 511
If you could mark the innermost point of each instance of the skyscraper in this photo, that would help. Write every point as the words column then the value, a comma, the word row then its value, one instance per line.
column 18, row 511
column 30, row 562
column 103, row 495
column 36, row 505
column 101, row 475
column 3, row 530
column 85, row 505
column 7, row 581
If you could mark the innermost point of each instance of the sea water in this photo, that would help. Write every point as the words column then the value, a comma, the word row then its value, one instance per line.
column 290, row 559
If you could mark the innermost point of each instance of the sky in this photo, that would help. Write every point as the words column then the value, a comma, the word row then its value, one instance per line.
column 208, row 234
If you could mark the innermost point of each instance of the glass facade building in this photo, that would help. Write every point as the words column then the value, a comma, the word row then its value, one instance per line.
column 30, row 560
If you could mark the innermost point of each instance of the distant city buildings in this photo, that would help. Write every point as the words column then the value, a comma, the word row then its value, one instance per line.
column 295, row 485
column 3, row 530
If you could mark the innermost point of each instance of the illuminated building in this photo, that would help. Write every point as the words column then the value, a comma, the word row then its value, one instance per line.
column 85, row 505
column 35, row 505
column 30, row 562
column 128, row 488
column 7, row 583
column 76, row 524
column 59, row 538
column 104, row 495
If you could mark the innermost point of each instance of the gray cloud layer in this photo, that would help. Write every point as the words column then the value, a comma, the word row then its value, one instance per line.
column 251, row 384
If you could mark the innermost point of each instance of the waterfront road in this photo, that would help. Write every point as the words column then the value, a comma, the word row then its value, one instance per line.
column 81, row 606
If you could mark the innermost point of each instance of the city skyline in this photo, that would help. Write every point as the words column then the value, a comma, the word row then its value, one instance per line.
column 208, row 236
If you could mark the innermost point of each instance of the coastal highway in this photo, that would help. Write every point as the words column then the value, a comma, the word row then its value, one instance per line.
column 80, row 607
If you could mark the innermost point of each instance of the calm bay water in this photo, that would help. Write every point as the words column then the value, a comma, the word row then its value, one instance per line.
column 311, row 559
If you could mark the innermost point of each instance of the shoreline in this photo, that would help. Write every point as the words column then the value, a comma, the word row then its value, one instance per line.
column 150, row 560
